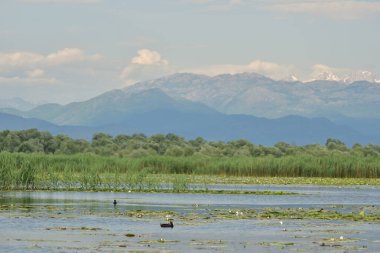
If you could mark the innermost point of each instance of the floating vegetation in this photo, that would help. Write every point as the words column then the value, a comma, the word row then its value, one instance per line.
column 332, row 231
column 315, row 213
column 81, row 229
column 148, row 214
column 278, row 214
column 277, row 244
column 340, row 239
column 159, row 241
column 208, row 244
column 203, row 242
column 208, row 191
column 209, row 227
column 278, row 180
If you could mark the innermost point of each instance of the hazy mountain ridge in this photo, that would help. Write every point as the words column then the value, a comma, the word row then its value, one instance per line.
column 174, row 105
column 217, row 127
column 16, row 103
column 110, row 108
column 253, row 94
column 13, row 122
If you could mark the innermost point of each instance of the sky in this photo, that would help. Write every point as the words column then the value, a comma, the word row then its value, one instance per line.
column 71, row 50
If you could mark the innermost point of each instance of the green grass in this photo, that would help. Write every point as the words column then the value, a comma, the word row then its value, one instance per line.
column 92, row 172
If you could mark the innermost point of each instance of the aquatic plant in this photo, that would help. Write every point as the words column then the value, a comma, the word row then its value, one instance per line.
column 92, row 172
column 180, row 183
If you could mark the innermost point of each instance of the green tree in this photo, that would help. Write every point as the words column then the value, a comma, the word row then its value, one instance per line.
column 335, row 144
column 31, row 146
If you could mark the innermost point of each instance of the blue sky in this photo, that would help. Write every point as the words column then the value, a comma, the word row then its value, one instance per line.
column 70, row 50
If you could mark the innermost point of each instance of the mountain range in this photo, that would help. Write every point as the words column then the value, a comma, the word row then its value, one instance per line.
column 16, row 103
column 253, row 94
column 16, row 123
column 348, row 77
column 224, row 107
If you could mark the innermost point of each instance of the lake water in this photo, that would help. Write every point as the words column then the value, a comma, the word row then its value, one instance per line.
column 89, row 222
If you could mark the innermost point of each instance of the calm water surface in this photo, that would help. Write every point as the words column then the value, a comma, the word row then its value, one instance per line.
column 88, row 221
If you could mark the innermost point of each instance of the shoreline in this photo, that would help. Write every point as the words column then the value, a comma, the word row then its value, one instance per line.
column 187, row 184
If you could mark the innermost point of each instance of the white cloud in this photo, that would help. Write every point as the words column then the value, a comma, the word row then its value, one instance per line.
column 270, row 69
column 338, row 9
column 35, row 73
column 68, row 55
column 148, row 57
column 320, row 68
column 147, row 64
column 19, row 59
column 30, row 68
column 33, row 76
column 28, row 80
column 32, row 60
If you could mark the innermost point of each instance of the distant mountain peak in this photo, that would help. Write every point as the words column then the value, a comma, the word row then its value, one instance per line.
column 291, row 78
column 328, row 76
column 16, row 103
column 255, row 94
column 177, row 77
column 348, row 77
column 361, row 75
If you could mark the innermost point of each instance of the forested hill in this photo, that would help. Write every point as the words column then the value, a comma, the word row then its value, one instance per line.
column 34, row 141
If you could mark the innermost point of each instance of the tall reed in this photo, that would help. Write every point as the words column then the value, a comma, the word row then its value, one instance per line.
column 87, row 171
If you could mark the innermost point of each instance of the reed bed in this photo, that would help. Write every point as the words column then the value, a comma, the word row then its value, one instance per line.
column 92, row 172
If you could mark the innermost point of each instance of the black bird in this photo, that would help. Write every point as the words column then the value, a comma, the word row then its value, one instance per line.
column 167, row 225
column 114, row 202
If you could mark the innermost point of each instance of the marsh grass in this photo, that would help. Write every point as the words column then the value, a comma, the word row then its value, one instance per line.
column 180, row 183
column 92, row 172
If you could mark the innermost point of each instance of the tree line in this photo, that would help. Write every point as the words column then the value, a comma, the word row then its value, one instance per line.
column 138, row 145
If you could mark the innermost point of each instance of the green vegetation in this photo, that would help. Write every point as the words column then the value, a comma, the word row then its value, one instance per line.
column 277, row 213
column 216, row 179
column 37, row 160
column 92, row 172
column 139, row 145
column 295, row 213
